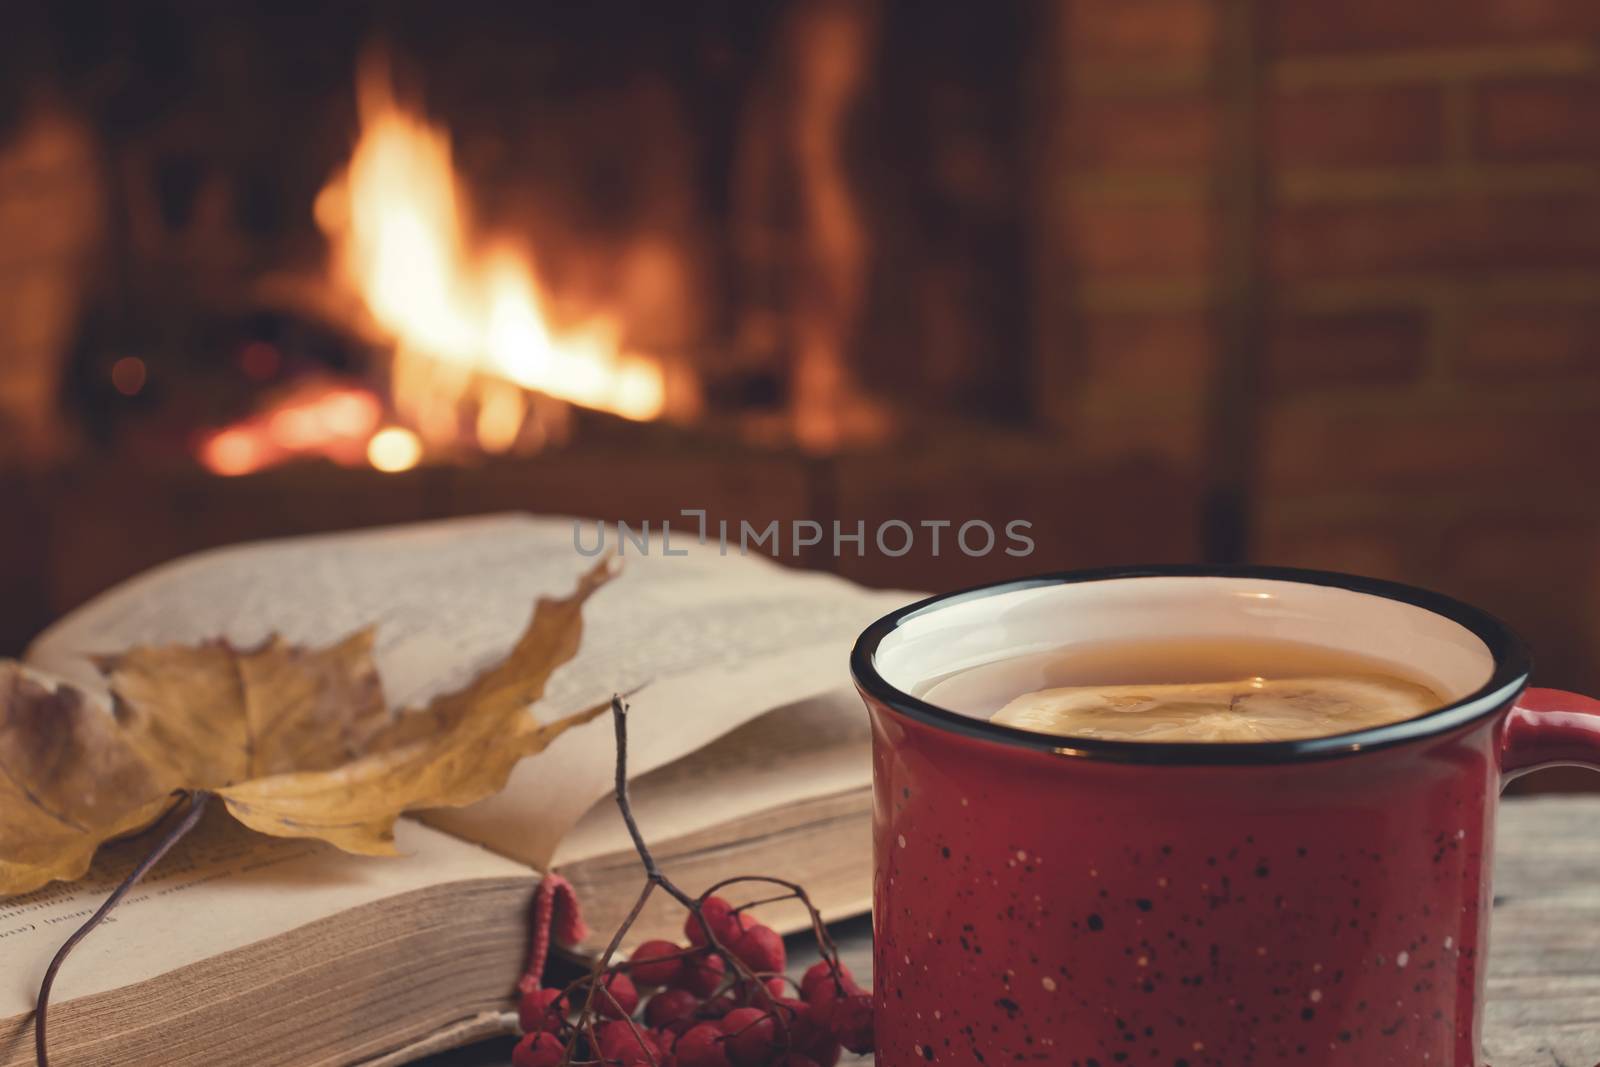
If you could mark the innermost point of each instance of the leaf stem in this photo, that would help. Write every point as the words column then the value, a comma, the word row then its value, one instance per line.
column 197, row 806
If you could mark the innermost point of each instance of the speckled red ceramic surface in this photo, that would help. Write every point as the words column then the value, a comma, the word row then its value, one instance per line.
column 1089, row 906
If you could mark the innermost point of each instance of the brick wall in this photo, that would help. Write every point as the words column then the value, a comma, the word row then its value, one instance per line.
column 1431, row 246
column 50, row 192
column 1130, row 148
column 1420, row 281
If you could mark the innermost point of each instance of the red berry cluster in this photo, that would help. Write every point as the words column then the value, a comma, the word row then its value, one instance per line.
column 721, row 1001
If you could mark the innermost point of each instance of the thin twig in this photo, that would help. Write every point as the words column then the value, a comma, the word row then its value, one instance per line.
column 604, row 959
column 658, row 877
column 619, row 718
column 742, row 979
column 747, row 905
column 830, row 951
column 197, row 807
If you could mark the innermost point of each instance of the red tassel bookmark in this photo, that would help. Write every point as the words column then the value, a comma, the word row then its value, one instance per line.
column 556, row 915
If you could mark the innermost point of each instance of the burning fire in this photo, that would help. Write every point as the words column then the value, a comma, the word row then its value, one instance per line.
column 319, row 419
column 476, row 359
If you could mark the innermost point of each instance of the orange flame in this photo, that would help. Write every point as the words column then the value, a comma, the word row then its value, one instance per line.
column 475, row 353
column 331, row 421
column 398, row 220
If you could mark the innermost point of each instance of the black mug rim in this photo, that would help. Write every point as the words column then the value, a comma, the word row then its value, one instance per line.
column 1510, row 674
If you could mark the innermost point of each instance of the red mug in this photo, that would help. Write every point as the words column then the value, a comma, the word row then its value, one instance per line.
column 1090, row 903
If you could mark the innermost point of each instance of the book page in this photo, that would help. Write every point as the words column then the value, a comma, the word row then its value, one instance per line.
column 818, row 747
column 549, row 793
column 220, row 888
column 709, row 640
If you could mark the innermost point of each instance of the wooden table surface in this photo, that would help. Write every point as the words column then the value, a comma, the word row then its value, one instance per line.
column 1544, row 959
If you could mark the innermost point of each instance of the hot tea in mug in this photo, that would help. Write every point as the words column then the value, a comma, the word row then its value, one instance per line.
column 1188, row 690
column 1184, row 817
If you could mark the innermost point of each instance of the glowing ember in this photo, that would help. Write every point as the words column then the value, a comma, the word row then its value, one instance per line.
column 394, row 449
column 234, row 451
column 316, row 420
column 398, row 221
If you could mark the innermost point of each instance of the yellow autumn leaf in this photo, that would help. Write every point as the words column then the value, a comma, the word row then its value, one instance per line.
column 297, row 742
column 69, row 780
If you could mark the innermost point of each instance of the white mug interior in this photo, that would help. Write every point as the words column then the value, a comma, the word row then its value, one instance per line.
column 988, row 626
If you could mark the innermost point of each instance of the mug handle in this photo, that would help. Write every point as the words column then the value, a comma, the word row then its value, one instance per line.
column 1550, row 728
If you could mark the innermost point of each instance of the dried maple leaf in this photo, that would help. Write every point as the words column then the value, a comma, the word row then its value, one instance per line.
column 69, row 780
column 296, row 742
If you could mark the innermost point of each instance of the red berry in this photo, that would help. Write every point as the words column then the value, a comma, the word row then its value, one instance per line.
column 823, row 996
column 759, row 994
column 761, row 949
column 850, row 1019
column 704, row 1045
column 617, row 996
column 541, row 1010
column 625, row 1043
column 666, row 1040
column 671, row 1008
column 795, row 1059
column 807, row 1034
column 725, row 923
column 714, row 911
column 752, row 1037
column 825, row 1052
column 821, row 974
column 720, row 1005
column 786, row 1011
column 655, row 963
column 538, row 1050
column 739, row 1018
column 700, row 975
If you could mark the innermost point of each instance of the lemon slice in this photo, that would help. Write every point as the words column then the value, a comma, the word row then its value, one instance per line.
column 1252, row 709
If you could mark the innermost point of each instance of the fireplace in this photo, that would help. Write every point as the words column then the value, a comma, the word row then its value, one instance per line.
column 381, row 265
column 1176, row 280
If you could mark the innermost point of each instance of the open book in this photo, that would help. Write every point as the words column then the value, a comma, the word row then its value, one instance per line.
column 747, row 755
